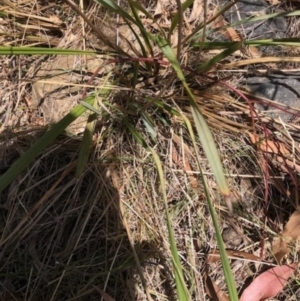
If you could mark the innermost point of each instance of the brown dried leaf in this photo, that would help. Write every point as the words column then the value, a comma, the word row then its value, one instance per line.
column 214, row 256
column 55, row 19
column 213, row 290
column 291, row 232
column 269, row 146
column 232, row 34
column 229, row 32
column 254, row 52
column 280, row 249
column 277, row 151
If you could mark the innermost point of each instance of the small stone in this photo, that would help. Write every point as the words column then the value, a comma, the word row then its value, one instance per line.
column 231, row 237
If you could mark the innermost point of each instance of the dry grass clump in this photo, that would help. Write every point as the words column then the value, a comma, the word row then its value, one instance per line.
column 104, row 234
column 66, row 238
column 62, row 236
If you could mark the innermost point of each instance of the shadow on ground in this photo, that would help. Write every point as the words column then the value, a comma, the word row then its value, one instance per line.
column 62, row 238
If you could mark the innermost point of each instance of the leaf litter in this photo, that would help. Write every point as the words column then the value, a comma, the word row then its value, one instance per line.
column 282, row 244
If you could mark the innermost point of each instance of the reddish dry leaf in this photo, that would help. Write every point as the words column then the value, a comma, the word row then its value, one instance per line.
column 269, row 283
column 291, row 232
column 269, row 146
column 277, row 153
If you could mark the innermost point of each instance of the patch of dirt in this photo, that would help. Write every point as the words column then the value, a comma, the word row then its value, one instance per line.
column 58, row 87
column 58, row 84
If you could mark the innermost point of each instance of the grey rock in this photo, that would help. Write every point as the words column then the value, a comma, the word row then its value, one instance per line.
column 266, row 29
column 283, row 88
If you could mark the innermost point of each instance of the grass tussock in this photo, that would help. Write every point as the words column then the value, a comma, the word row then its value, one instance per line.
column 169, row 148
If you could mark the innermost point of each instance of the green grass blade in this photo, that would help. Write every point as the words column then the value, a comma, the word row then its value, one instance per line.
column 149, row 125
column 143, row 32
column 87, row 140
column 86, row 143
column 5, row 50
column 138, row 137
column 149, row 16
column 114, row 7
column 162, row 105
column 198, row 30
column 219, row 57
column 233, row 295
column 182, row 291
column 203, row 130
column 168, row 52
column 210, row 149
column 41, row 144
column 260, row 18
column 197, row 33
column 274, row 42
column 90, row 107
column 267, row 42
column 143, row 10
column 252, row 20
column 224, row 259
column 213, row 45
